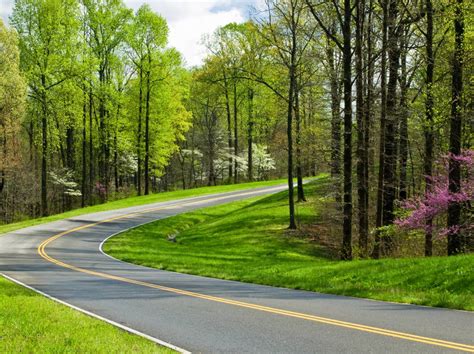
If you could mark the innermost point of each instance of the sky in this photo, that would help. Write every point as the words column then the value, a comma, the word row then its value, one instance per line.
column 188, row 20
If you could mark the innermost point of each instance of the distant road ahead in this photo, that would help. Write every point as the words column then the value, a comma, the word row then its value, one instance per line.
column 63, row 259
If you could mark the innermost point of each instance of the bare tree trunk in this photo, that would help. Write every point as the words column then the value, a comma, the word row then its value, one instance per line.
column 70, row 159
column 389, row 175
column 147, row 129
column 91, row 147
column 335, row 120
column 383, row 116
column 229, row 124
column 299, row 168
column 429, row 138
column 44, row 151
column 211, row 140
column 84, row 147
column 250, row 124
column 116, row 171
column 362, row 183
column 139, row 132
column 403, row 136
column 347, row 55
column 236, row 135
column 103, row 134
column 289, row 127
column 289, row 131
column 116, row 167
column 368, row 112
column 455, row 240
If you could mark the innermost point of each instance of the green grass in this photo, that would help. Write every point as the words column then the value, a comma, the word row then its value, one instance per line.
column 247, row 241
column 134, row 201
column 31, row 323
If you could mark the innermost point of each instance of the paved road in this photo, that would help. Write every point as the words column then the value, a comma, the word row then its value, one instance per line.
column 63, row 259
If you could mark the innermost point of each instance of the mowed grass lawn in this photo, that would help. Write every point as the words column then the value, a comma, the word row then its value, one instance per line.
column 134, row 201
column 247, row 241
column 31, row 323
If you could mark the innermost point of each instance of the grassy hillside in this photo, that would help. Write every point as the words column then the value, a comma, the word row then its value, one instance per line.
column 247, row 241
column 134, row 201
column 31, row 323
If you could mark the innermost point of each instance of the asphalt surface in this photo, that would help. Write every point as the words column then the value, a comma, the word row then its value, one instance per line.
column 201, row 314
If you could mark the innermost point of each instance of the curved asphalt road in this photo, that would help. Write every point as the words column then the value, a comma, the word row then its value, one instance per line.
column 208, row 315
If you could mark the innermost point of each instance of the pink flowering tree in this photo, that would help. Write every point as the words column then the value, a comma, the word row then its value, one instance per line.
column 418, row 210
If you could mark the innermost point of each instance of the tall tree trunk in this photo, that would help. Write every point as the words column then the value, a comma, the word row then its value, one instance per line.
column 389, row 176
column 429, row 138
column 147, row 130
column 383, row 119
column 44, row 151
column 84, row 149
column 403, row 136
column 299, row 169
column 347, row 223
column 289, row 127
column 91, row 147
column 103, row 163
column 229, row 124
column 335, row 119
column 455, row 241
column 368, row 111
column 70, row 153
column 250, row 124
column 289, row 132
column 70, row 159
column 139, row 131
column 362, row 183
column 192, row 173
column 212, row 142
column 116, row 167
column 236, row 136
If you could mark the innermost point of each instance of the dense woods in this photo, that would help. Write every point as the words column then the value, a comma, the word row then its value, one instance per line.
column 95, row 106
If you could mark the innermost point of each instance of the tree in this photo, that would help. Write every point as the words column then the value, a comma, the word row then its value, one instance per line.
column 383, row 129
column 362, row 132
column 455, row 242
column 106, row 21
column 46, row 40
column 346, row 48
column 420, row 212
column 429, row 105
column 286, row 33
column 12, row 109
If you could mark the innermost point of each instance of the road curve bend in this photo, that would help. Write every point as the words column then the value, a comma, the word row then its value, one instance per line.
column 63, row 260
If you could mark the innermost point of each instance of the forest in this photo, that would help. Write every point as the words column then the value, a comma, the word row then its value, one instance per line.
column 96, row 106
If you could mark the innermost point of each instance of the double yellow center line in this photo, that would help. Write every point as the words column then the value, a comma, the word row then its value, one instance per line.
column 355, row 326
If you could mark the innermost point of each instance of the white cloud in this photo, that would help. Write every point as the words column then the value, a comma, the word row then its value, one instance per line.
column 6, row 7
column 188, row 20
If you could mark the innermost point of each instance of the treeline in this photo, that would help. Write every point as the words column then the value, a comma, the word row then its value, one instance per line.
column 103, row 110
column 378, row 92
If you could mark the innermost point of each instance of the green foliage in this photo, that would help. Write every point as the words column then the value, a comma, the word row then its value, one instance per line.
column 84, row 63
column 12, row 96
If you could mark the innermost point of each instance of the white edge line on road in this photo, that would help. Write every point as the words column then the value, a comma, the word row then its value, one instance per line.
column 91, row 314
column 101, row 246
